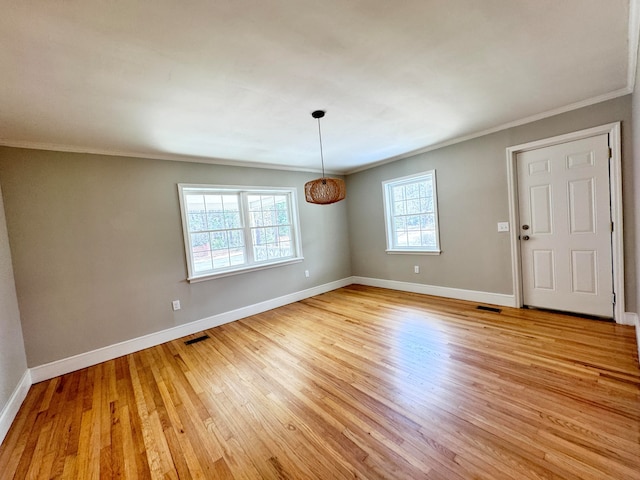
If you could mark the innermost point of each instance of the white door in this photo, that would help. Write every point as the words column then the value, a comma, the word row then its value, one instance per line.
column 565, row 226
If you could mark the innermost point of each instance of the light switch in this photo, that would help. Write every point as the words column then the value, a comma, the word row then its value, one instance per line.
column 503, row 226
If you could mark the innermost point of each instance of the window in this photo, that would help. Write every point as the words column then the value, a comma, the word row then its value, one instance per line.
column 227, row 230
column 411, row 214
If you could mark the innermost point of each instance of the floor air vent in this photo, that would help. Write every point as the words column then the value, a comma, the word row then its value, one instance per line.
column 196, row 340
column 488, row 309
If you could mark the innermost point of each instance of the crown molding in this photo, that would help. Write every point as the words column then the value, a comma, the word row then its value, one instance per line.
column 516, row 123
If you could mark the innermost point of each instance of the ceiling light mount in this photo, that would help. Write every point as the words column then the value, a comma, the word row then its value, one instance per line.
column 324, row 191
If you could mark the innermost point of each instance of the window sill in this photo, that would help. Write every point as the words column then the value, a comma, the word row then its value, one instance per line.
column 237, row 271
column 414, row 252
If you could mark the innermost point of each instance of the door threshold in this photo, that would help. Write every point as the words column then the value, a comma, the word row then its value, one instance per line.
column 571, row 314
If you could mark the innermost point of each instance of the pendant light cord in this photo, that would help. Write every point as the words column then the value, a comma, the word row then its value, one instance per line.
column 321, row 154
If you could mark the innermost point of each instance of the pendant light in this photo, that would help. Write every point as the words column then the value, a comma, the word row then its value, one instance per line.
column 324, row 191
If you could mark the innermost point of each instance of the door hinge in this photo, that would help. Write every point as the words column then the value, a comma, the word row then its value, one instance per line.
column 613, row 298
column 612, row 226
column 610, row 153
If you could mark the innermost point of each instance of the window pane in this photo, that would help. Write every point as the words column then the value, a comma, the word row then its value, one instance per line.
column 197, row 222
column 195, row 203
column 255, row 219
column 213, row 203
column 219, row 240
column 230, row 203
column 237, row 256
column 410, row 208
column 218, row 222
column 255, row 203
column 269, row 217
column 281, row 202
column 236, row 238
column 285, row 249
column 429, row 239
column 199, row 242
column 284, row 234
column 429, row 207
column 202, row 261
column 215, row 220
column 412, row 191
column 283, row 217
column 260, row 253
column 429, row 188
column 221, row 258
column 415, row 238
column 413, row 206
column 428, row 222
column 398, row 193
column 413, row 222
column 402, row 238
column 232, row 219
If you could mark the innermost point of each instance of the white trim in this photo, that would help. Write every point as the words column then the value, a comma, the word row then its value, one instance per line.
column 387, row 186
column 637, row 322
column 633, row 37
column 70, row 364
column 516, row 123
column 617, row 250
column 6, row 142
column 413, row 252
column 633, row 320
column 630, row 318
column 241, row 193
column 57, row 147
column 10, row 410
column 87, row 359
column 457, row 293
column 238, row 271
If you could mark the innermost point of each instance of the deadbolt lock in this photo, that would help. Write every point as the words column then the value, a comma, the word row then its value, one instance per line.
column 525, row 227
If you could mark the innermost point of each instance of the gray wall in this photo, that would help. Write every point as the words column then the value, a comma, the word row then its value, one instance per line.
column 472, row 198
column 13, row 362
column 98, row 251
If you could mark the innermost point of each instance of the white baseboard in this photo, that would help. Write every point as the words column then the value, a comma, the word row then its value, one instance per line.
column 457, row 293
column 87, row 359
column 635, row 321
column 70, row 364
column 11, row 408
column 638, row 336
column 629, row 318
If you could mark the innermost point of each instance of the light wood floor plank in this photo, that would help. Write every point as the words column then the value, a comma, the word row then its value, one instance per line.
column 360, row 382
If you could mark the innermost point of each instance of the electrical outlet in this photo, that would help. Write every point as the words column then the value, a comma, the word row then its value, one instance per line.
column 416, row 269
column 306, row 273
column 176, row 305
column 503, row 226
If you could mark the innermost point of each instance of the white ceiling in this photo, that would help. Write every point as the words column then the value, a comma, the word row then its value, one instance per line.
column 236, row 80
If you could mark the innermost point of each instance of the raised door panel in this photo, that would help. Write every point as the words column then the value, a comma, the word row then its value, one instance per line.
column 563, row 195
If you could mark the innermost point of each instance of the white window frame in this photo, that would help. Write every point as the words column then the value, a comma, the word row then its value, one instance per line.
column 387, row 186
column 242, row 192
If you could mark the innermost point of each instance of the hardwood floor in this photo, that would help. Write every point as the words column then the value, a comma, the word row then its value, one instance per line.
column 360, row 382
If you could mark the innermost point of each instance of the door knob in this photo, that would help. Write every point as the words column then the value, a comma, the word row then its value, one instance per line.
column 525, row 237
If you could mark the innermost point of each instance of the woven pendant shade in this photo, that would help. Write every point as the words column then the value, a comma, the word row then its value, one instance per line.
column 324, row 191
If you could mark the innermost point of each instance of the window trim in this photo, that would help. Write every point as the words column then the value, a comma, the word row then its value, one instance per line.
column 242, row 191
column 388, row 209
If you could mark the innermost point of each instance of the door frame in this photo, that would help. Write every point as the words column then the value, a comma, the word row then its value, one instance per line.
column 615, row 184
